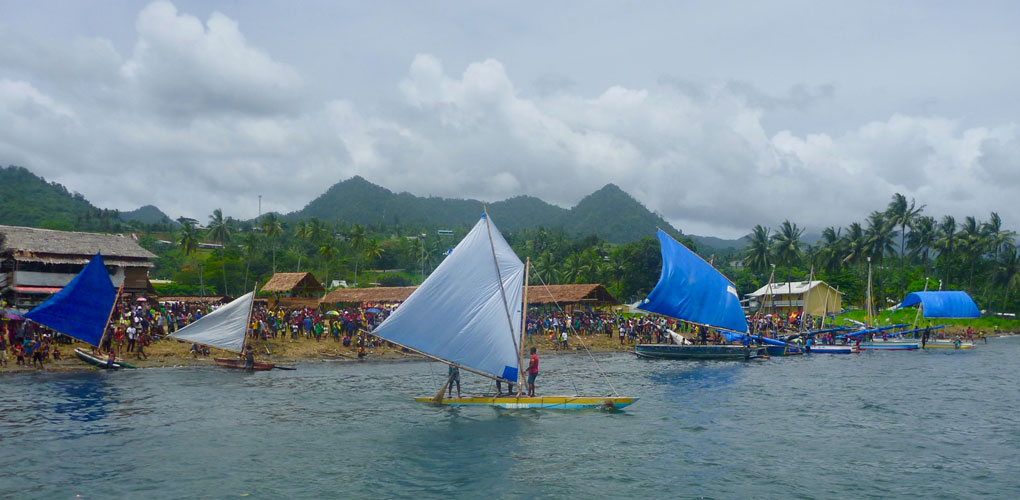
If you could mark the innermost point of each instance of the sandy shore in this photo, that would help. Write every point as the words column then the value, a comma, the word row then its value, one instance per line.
column 171, row 353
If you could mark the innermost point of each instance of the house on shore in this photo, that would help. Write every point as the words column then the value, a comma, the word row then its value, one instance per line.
column 36, row 263
column 789, row 297
column 567, row 296
column 294, row 290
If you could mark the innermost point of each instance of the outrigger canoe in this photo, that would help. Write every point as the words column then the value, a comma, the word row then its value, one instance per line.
column 239, row 364
column 544, row 402
column 101, row 363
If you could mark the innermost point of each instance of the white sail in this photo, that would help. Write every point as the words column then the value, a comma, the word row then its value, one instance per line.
column 459, row 315
column 223, row 328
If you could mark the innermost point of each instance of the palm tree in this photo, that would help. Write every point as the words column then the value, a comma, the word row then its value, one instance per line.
column 249, row 251
column 855, row 244
column 922, row 239
column 759, row 252
column 573, row 268
column 973, row 244
column 220, row 233
column 545, row 267
column 901, row 214
column 830, row 251
column 946, row 245
column 372, row 250
column 273, row 229
column 786, row 244
column 997, row 237
column 356, row 238
column 187, row 237
column 1008, row 272
column 880, row 234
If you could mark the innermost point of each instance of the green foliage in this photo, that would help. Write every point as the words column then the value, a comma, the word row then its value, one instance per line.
column 393, row 279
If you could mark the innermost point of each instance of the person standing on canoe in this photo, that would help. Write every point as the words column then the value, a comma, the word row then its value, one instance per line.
column 532, row 371
column 249, row 358
column 454, row 378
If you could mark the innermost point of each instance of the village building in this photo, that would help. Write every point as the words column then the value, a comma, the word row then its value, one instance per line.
column 790, row 297
column 36, row 263
column 570, row 297
column 294, row 290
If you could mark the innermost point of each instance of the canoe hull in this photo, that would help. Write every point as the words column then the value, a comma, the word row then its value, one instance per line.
column 889, row 346
column 543, row 402
column 779, row 350
column 948, row 345
column 239, row 364
column 673, row 351
column 100, row 363
column 833, row 349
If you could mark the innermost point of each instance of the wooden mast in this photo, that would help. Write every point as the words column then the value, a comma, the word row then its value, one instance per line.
column 247, row 323
column 524, row 326
column 110, row 316
column 807, row 298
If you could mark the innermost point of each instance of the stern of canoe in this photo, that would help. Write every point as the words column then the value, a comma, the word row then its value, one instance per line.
column 546, row 402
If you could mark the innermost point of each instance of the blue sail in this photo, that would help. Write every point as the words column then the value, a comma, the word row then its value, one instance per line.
column 948, row 304
column 82, row 308
column 692, row 290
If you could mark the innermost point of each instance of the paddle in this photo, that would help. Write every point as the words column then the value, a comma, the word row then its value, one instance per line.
column 442, row 390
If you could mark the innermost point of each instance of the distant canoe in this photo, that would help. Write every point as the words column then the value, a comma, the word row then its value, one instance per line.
column 673, row 351
column 834, row 349
column 239, row 364
column 543, row 402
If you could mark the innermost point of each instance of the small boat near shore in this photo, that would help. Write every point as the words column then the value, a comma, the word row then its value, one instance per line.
column 673, row 351
column 834, row 349
column 239, row 364
column 101, row 363
column 513, row 402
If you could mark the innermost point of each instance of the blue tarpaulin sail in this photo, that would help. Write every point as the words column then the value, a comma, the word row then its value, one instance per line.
column 692, row 290
column 82, row 308
column 948, row 304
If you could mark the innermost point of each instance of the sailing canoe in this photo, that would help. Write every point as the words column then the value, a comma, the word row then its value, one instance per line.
column 99, row 362
column 673, row 351
column 239, row 364
column 544, row 402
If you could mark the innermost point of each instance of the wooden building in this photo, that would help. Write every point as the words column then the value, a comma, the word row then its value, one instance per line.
column 592, row 295
column 294, row 285
column 36, row 263
column 786, row 297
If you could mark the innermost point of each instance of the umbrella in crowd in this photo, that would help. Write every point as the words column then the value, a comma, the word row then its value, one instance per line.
column 333, row 313
column 373, row 310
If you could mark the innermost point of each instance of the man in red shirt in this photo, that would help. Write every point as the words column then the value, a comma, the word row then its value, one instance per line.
column 532, row 371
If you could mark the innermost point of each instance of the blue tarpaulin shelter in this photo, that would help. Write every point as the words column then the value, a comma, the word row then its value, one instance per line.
column 82, row 308
column 948, row 304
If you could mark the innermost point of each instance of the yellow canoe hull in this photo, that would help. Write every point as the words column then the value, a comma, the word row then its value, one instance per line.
column 941, row 345
column 549, row 402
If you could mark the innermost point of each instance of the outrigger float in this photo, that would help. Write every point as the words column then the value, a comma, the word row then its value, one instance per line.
column 470, row 313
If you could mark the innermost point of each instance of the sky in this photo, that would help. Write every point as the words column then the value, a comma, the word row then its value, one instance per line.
column 716, row 115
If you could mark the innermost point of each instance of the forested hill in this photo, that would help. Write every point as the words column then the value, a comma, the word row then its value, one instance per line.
column 28, row 200
column 147, row 215
column 610, row 213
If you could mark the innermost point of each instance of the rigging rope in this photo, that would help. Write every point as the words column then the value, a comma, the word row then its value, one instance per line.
column 580, row 339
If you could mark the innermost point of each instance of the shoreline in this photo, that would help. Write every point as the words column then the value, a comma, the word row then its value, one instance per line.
column 174, row 354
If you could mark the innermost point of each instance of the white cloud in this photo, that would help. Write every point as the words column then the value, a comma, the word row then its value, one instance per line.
column 198, row 117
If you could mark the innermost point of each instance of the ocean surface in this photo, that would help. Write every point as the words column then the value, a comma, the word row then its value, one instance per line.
column 936, row 424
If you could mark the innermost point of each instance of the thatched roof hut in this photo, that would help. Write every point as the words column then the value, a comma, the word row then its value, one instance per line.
column 362, row 295
column 195, row 299
column 592, row 294
column 294, row 285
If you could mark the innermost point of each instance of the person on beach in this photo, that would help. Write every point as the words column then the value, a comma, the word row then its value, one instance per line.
column 454, row 374
column 532, row 371
column 110, row 358
column 143, row 339
column 249, row 358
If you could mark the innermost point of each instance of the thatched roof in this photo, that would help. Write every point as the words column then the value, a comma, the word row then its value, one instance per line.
column 570, row 294
column 295, row 283
column 70, row 247
column 563, row 294
column 195, row 299
column 358, row 295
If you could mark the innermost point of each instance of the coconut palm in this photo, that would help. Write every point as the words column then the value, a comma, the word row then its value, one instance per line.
column 272, row 228
column 972, row 243
column 356, row 239
column 830, row 250
column 219, row 232
column 901, row 214
column 759, row 253
column 1007, row 272
column 922, row 238
column 187, row 237
column 249, row 249
column 997, row 237
column 855, row 244
column 786, row 244
column 880, row 234
column 946, row 245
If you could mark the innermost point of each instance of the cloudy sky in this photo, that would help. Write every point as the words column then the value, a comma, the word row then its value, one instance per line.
column 716, row 115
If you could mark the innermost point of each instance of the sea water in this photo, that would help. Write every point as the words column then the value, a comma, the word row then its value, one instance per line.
column 934, row 424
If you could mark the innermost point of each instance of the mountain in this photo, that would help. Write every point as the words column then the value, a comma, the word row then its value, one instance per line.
column 28, row 200
column 147, row 215
column 719, row 243
column 611, row 213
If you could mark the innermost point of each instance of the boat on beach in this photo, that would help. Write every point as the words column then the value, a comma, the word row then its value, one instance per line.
column 691, row 290
column 82, row 310
column 834, row 349
column 469, row 314
column 225, row 328
column 953, row 304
